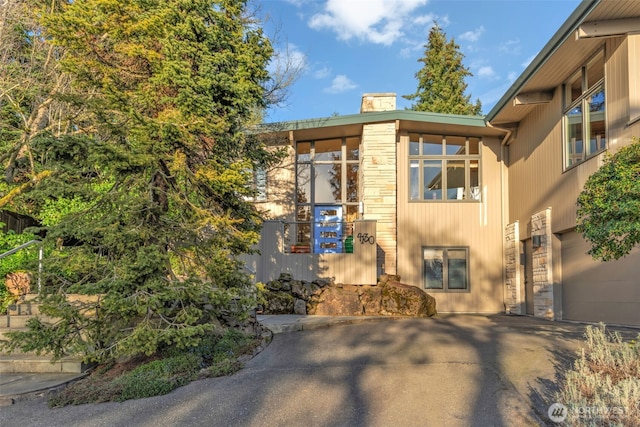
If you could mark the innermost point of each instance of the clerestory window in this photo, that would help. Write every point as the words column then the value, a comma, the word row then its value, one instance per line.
column 584, row 115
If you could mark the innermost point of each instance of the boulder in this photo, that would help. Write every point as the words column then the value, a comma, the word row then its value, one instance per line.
column 303, row 290
column 405, row 300
column 18, row 283
column 278, row 302
column 336, row 301
column 371, row 299
column 299, row 306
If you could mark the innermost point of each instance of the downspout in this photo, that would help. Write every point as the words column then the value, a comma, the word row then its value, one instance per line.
column 503, row 218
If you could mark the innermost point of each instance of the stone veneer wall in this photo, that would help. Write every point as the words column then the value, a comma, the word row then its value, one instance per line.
column 379, row 189
column 378, row 178
column 512, row 292
column 542, row 259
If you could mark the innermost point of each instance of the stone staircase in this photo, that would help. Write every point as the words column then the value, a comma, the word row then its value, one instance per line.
column 27, row 362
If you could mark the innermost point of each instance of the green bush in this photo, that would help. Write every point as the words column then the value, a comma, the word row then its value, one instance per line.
column 158, row 377
column 173, row 367
column 603, row 388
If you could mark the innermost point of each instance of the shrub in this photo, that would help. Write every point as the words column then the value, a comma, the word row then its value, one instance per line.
column 216, row 355
column 603, row 388
column 157, row 377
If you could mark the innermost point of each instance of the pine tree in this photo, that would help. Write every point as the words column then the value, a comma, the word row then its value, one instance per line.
column 145, row 201
column 441, row 85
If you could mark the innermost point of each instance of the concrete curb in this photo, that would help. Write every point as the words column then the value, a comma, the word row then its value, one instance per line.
column 284, row 323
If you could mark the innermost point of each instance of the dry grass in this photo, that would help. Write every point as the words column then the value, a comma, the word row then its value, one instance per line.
column 603, row 388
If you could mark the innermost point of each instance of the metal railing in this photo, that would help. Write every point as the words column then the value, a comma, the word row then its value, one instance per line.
column 40, row 257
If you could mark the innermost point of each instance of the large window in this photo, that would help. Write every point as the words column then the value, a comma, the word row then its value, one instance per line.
column 446, row 269
column 444, row 168
column 326, row 175
column 584, row 116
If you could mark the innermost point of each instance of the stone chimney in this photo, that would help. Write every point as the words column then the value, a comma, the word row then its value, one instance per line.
column 373, row 102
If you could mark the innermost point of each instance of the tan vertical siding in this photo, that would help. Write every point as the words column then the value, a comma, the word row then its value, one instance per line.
column 358, row 268
column 379, row 187
column 477, row 226
column 536, row 176
column 634, row 76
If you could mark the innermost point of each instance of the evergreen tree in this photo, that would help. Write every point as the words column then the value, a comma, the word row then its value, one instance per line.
column 441, row 85
column 145, row 200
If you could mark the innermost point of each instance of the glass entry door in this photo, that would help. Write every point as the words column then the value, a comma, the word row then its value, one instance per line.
column 327, row 235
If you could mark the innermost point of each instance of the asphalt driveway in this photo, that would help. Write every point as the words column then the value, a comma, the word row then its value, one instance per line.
column 457, row 370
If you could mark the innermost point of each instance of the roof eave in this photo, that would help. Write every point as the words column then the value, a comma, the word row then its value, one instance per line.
column 375, row 117
column 564, row 32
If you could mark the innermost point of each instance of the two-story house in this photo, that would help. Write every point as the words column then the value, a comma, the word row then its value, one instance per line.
column 478, row 211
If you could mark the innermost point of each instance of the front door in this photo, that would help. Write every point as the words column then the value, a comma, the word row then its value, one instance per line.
column 327, row 230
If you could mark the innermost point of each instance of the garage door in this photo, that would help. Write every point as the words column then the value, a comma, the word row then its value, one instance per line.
column 597, row 291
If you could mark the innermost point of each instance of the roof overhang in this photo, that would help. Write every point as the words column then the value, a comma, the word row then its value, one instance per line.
column 579, row 38
column 350, row 125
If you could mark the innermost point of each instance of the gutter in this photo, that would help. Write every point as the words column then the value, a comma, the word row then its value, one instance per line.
column 564, row 32
column 503, row 218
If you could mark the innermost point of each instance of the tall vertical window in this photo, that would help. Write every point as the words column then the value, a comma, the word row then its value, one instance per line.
column 446, row 269
column 326, row 175
column 584, row 116
column 444, row 168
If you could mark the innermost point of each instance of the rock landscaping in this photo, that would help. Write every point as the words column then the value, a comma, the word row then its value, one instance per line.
column 388, row 297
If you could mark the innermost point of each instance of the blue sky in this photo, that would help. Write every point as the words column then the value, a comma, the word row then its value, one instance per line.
column 350, row 47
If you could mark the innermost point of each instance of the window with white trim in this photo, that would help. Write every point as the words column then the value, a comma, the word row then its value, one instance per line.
column 444, row 168
column 446, row 268
column 584, row 115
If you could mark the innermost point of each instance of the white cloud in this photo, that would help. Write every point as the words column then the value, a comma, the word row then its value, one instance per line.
column 322, row 73
column 472, row 36
column 510, row 47
column 425, row 19
column 487, row 72
column 375, row 21
column 287, row 58
column 340, row 83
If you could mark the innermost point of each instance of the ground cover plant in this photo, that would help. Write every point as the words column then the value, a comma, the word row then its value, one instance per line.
column 147, row 376
column 603, row 388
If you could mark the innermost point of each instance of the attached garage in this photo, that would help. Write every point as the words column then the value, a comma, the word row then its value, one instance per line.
column 597, row 291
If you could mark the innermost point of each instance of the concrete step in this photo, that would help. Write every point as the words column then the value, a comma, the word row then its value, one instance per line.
column 18, row 321
column 15, row 363
column 4, row 331
column 23, row 308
